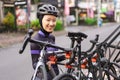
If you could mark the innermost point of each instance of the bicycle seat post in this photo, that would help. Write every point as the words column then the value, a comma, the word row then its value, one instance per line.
column 72, row 42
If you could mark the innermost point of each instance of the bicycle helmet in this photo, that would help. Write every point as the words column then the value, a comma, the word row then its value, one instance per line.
column 43, row 9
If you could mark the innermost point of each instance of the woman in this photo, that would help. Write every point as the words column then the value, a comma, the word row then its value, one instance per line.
column 47, row 15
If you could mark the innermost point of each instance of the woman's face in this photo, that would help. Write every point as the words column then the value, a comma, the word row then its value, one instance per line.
column 49, row 22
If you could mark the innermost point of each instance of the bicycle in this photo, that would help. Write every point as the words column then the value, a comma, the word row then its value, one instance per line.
column 76, row 37
column 42, row 68
column 103, row 66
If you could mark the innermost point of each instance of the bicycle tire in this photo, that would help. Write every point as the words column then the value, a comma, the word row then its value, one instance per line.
column 65, row 76
column 41, row 74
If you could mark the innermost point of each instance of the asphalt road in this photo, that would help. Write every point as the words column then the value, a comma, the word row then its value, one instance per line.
column 14, row 66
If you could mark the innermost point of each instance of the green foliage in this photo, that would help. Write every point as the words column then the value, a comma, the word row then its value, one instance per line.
column 59, row 25
column 35, row 24
column 9, row 21
column 91, row 21
column 8, row 9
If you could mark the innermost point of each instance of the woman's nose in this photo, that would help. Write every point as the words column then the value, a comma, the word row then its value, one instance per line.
column 51, row 23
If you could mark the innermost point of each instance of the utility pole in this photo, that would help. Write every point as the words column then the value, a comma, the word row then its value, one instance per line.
column 99, row 21
column 1, row 11
column 66, row 11
column 28, row 12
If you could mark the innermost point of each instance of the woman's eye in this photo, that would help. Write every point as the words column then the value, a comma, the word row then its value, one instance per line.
column 48, row 20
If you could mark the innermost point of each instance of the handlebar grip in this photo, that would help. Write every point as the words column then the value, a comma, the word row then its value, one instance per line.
column 95, row 40
column 24, row 44
column 27, row 38
column 97, row 37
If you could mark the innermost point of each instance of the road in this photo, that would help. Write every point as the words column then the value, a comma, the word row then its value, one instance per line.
column 14, row 66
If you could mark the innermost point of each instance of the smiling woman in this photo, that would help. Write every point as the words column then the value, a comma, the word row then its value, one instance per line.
column 47, row 15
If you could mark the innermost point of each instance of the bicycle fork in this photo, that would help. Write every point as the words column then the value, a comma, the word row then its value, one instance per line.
column 40, row 63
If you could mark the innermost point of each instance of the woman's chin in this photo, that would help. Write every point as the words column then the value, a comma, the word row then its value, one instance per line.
column 50, row 31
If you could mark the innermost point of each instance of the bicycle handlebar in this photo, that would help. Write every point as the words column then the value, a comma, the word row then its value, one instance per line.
column 27, row 38
column 93, row 43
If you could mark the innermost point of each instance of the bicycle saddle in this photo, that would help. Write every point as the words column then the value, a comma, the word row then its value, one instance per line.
column 77, row 34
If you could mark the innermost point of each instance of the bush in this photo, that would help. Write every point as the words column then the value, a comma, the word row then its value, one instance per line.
column 8, row 22
column 91, row 21
column 35, row 24
column 59, row 25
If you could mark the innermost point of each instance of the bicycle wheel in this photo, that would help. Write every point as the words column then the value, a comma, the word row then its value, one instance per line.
column 41, row 73
column 65, row 76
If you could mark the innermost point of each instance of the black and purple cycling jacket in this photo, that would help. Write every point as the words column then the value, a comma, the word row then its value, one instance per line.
column 35, row 49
